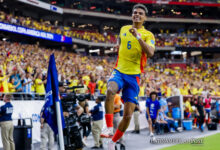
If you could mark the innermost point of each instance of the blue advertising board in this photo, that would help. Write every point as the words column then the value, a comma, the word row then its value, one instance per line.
column 35, row 33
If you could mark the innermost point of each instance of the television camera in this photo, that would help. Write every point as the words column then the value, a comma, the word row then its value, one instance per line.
column 72, row 135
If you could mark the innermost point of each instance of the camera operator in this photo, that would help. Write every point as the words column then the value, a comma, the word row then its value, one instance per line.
column 85, row 119
column 78, row 109
column 72, row 130
column 69, row 97
column 97, row 123
column 71, row 111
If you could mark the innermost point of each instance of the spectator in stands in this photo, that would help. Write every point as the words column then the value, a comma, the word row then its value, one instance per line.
column 142, row 89
column 103, row 88
column 17, row 78
column 100, row 83
column 27, row 83
column 73, row 81
column 39, row 85
column 11, row 86
column 205, row 91
column 92, row 86
column 175, row 90
column 4, row 82
column 6, row 123
column 152, row 111
column 82, row 90
column 97, row 123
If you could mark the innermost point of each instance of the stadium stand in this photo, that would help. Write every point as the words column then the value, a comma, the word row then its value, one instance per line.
column 33, row 59
column 189, row 38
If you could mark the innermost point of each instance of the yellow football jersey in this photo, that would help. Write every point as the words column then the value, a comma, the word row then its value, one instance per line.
column 131, row 58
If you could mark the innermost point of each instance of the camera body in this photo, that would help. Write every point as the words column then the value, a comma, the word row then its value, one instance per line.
column 72, row 135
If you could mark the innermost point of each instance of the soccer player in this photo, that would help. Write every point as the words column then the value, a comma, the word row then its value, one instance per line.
column 136, row 44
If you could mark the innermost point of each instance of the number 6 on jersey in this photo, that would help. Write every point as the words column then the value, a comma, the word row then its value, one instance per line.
column 129, row 45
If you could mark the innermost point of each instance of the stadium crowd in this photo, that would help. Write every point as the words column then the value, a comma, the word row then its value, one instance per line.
column 189, row 38
column 23, row 62
column 23, row 69
column 88, row 35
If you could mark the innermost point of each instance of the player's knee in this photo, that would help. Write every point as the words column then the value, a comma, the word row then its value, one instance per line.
column 111, row 91
column 127, row 118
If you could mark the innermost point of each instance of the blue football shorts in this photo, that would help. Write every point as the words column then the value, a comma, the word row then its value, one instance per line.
column 129, row 84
